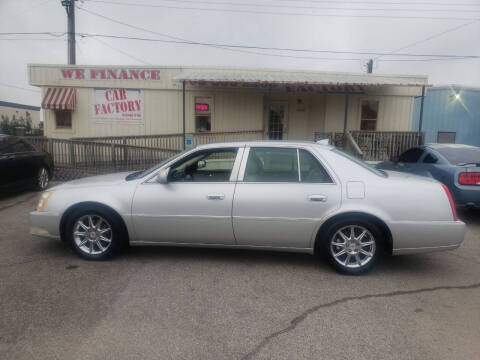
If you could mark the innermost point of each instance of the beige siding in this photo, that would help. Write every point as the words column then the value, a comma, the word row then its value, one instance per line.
column 233, row 109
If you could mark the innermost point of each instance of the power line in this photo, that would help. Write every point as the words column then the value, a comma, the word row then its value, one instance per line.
column 18, row 87
column 389, row 3
column 242, row 47
column 395, row 52
column 247, row 4
column 235, row 47
column 256, row 12
column 122, row 52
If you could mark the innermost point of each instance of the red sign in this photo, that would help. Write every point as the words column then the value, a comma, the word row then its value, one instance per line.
column 202, row 107
column 109, row 74
column 117, row 106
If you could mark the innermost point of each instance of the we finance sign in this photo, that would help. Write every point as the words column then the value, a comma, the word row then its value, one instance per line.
column 124, row 106
column 109, row 74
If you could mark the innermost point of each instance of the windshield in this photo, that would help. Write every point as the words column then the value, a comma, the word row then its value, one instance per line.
column 143, row 173
column 361, row 163
column 460, row 155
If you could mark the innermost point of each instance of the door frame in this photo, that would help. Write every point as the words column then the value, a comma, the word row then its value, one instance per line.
column 268, row 104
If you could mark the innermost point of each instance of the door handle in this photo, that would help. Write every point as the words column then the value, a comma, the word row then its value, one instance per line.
column 319, row 198
column 216, row 196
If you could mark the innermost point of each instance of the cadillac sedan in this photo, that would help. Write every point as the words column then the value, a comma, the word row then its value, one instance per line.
column 287, row 196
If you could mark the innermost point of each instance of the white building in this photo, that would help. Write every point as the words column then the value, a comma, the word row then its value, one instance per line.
column 92, row 101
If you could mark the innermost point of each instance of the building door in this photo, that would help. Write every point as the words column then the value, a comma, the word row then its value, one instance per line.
column 277, row 121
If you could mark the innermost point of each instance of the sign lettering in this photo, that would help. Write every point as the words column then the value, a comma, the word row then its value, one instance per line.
column 117, row 106
column 109, row 74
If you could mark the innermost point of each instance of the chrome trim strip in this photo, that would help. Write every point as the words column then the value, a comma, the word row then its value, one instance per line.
column 224, row 246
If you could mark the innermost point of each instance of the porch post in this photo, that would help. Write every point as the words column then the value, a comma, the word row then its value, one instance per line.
column 420, row 121
column 347, row 99
column 183, row 112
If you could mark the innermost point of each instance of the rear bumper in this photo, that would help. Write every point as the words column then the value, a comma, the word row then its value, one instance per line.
column 45, row 224
column 411, row 237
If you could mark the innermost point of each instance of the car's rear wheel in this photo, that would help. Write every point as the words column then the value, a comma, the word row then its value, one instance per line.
column 94, row 234
column 43, row 178
column 353, row 247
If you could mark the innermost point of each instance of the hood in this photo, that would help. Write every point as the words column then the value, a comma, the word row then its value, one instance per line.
column 100, row 180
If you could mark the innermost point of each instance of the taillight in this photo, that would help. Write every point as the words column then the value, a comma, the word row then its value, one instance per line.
column 452, row 205
column 469, row 178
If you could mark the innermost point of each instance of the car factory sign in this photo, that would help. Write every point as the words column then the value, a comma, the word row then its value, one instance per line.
column 124, row 106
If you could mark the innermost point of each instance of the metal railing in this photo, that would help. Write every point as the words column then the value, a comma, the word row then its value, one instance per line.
column 385, row 145
column 375, row 145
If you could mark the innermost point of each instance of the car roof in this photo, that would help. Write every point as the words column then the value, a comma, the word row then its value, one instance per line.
column 436, row 146
column 274, row 143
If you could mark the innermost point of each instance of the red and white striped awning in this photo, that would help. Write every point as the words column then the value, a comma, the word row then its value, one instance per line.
column 59, row 98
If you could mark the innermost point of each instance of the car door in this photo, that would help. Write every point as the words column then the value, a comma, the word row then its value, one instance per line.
column 195, row 205
column 8, row 170
column 278, row 203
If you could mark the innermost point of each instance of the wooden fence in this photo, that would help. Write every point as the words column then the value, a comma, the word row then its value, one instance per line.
column 81, row 157
column 175, row 141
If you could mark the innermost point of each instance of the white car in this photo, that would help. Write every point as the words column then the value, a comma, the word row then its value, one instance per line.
column 288, row 196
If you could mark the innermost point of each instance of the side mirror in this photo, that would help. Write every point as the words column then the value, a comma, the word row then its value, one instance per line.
column 162, row 176
column 201, row 164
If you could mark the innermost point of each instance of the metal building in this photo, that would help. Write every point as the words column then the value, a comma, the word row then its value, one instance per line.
column 451, row 114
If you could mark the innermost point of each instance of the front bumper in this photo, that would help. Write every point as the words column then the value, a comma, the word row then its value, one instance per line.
column 410, row 237
column 45, row 224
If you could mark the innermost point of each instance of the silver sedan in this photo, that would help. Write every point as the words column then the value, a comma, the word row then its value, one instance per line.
column 288, row 196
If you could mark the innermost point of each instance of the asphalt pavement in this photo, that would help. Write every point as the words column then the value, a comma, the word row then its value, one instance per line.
column 178, row 303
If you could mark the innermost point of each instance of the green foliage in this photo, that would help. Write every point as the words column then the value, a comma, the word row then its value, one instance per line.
column 7, row 126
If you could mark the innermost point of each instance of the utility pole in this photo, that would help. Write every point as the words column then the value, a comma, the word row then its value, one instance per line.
column 370, row 66
column 70, row 9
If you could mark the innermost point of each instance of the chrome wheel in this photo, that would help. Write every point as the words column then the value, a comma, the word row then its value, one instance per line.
column 353, row 246
column 92, row 234
column 43, row 178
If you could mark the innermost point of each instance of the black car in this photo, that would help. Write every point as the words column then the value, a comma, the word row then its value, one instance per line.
column 455, row 165
column 22, row 166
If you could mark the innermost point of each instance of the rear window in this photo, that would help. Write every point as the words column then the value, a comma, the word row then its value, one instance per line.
column 464, row 155
column 361, row 163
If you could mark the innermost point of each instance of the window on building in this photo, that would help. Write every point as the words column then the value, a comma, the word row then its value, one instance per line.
column 63, row 119
column 272, row 165
column 369, row 115
column 446, row 137
column 203, row 114
column 311, row 170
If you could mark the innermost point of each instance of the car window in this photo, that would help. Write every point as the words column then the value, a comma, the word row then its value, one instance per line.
column 430, row 159
column 16, row 145
column 3, row 144
column 460, row 155
column 411, row 155
column 204, row 166
column 311, row 170
column 271, row 165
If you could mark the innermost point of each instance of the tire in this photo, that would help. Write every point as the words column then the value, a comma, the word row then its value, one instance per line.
column 99, row 226
column 353, row 257
column 43, row 178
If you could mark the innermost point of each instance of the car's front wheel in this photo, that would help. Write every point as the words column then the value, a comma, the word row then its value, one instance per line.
column 94, row 234
column 353, row 247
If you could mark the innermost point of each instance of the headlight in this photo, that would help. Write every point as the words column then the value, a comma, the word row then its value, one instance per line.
column 43, row 200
